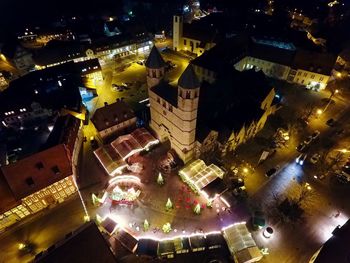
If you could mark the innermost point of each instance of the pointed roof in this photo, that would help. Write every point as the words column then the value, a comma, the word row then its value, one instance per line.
column 154, row 59
column 188, row 79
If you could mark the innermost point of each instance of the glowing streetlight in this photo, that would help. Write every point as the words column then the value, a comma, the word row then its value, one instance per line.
column 338, row 74
column 245, row 170
column 336, row 91
column 319, row 111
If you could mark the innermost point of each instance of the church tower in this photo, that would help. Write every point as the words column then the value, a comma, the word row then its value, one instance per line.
column 177, row 32
column 155, row 67
column 187, row 104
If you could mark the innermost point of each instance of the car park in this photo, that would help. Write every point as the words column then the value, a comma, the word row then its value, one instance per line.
column 315, row 158
column 301, row 159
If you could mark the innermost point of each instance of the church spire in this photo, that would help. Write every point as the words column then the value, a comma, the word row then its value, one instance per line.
column 155, row 60
column 188, row 79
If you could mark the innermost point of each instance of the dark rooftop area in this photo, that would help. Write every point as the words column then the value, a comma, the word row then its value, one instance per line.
column 86, row 244
column 167, row 92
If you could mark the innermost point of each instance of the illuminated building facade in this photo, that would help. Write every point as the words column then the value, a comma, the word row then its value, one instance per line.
column 173, row 109
column 43, row 178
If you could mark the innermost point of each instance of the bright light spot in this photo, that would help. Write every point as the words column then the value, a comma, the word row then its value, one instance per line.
column 319, row 111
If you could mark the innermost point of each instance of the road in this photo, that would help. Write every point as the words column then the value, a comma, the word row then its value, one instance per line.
column 297, row 243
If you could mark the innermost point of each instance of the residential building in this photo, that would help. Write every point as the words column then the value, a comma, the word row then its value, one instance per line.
column 114, row 120
column 39, row 142
column 41, row 178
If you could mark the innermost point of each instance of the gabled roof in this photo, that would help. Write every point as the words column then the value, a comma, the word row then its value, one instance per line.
column 154, row 59
column 188, row 79
column 111, row 115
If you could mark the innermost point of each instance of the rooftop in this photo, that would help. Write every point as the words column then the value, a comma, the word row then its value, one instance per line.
column 235, row 94
column 111, row 115
column 86, row 244
column 337, row 248
column 167, row 92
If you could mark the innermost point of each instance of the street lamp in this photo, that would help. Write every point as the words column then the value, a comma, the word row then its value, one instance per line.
column 319, row 112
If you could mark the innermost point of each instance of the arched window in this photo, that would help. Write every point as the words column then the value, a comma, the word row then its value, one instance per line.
column 188, row 94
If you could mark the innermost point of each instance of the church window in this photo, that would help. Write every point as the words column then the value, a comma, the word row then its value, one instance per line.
column 188, row 94
column 158, row 100
column 180, row 93
column 170, row 108
column 175, row 19
column 154, row 74
column 164, row 104
column 185, row 42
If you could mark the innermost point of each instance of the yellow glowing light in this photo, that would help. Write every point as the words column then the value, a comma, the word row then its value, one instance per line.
column 319, row 112
column 336, row 91
column 21, row 246
column 245, row 170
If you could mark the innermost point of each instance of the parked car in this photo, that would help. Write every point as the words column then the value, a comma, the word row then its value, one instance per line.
column 94, row 143
column 301, row 147
column 315, row 134
column 301, row 159
column 272, row 171
column 331, row 122
column 315, row 158
column 308, row 140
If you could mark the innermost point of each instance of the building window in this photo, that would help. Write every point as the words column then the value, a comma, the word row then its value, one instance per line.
column 164, row 104
column 30, row 181
column 188, row 94
column 158, row 100
column 170, row 108
column 313, row 76
column 154, row 74
column 185, row 42
column 321, row 78
column 39, row 165
column 175, row 19
column 305, row 74
column 55, row 170
column 197, row 44
column 302, row 82
column 180, row 93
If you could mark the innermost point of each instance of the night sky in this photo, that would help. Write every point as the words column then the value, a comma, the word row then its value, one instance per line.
column 15, row 14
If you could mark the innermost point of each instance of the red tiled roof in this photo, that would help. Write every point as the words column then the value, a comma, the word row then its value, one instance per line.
column 37, row 171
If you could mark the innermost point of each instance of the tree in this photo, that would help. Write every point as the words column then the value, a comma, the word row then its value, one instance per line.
column 160, row 179
column 197, row 209
column 145, row 225
column 169, row 204
column 166, row 228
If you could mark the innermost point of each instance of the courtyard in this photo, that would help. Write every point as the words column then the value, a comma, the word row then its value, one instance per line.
column 163, row 198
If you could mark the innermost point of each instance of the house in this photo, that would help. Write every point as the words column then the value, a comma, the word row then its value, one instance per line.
column 43, row 172
column 114, row 119
column 40, row 142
